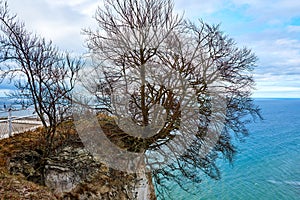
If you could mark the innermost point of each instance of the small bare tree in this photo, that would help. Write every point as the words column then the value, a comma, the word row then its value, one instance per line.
column 43, row 76
column 183, row 80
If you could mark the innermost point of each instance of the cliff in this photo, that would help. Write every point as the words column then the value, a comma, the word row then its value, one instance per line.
column 69, row 173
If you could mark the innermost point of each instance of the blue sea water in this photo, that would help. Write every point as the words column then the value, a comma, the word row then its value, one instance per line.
column 267, row 166
column 6, row 102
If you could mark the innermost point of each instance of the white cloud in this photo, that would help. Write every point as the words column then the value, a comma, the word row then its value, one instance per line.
column 60, row 21
column 198, row 7
column 67, row 2
column 292, row 29
column 282, row 52
column 86, row 7
column 277, row 85
column 4, row 92
column 264, row 26
column 277, row 92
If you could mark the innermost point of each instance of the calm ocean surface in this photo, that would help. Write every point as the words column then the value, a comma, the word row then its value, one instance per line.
column 10, row 103
column 267, row 166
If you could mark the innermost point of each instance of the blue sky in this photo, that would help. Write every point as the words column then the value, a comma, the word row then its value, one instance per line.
column 271, row 28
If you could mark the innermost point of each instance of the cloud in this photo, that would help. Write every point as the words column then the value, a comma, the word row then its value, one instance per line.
column 293, row 29
column 276, row 92
column 281, row 52
column 5, row 92
column 270, row 28
column 59, row 21
column 85, row 7
column 277, row 84
column 6, row 88
column 278, row 68
column 196, row 7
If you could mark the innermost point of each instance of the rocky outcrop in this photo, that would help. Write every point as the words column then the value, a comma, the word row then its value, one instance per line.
column 72, row 173
column 61, row 172
column 64, row 171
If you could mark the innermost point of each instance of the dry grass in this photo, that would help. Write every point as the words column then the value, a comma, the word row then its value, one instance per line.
column 16, row 187
column 12, row 146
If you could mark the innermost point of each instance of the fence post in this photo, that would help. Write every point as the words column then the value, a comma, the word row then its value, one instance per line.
column 9, row 119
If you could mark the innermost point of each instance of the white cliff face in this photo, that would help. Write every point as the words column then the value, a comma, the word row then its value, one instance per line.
column 142, row 187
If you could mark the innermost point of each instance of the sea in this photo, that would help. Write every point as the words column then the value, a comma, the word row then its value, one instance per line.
column 267, row 165
column 17, row 110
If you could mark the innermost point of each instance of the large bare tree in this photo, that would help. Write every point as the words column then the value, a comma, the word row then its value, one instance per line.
column 43, row 76
column 180, row 91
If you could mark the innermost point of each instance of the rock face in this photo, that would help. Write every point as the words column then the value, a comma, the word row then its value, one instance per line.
column 109, row 184
column 68, row 168
column 72, row 173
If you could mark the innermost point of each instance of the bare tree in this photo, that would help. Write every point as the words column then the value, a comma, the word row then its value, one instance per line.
column 189, row 87
column 44, row 77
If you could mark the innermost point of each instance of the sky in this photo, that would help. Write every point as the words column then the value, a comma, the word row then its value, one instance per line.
column 271, row 28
